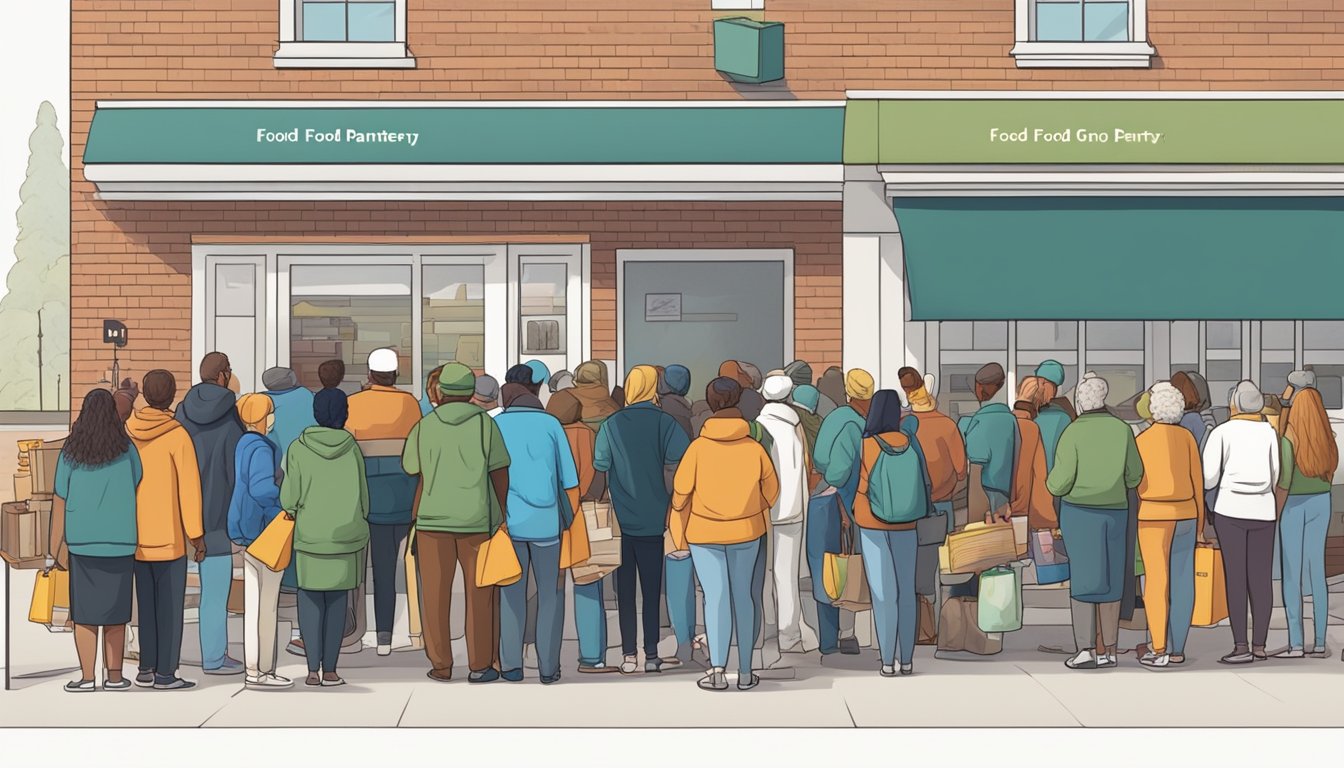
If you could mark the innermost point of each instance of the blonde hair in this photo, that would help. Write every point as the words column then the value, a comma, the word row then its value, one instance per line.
column 254, row 409
column 1032, row 390
column 1314, row 448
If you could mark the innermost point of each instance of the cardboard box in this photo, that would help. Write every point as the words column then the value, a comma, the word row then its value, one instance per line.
column 235, row 604
column 43, row 461
column 23, row 486
column 23, row 534
column 977, row 547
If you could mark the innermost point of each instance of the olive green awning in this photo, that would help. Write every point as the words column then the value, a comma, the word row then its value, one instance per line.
column 1123, row 258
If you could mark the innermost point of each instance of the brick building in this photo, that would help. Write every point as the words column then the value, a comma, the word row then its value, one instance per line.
column 586, row 183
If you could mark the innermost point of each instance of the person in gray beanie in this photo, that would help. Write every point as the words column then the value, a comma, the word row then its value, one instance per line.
column 486, row 395
column 800, row 372
column 560, row 381
column 1241, row 461
column 293, row 407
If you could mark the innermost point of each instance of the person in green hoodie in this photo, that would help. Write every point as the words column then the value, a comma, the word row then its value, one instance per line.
column 1097, row 464
column 326, row 492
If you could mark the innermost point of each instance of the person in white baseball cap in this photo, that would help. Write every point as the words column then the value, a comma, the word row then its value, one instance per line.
column 383, row 412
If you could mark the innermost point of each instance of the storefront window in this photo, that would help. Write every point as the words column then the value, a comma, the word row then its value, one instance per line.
column 1115, row 352
column 542, row 309
column 235, row 318
column 346, row 312
column 1323, row 353
column 452, row 306
column 1184, row 346
column 1038, row 341
column 965, row 347
column 1222, row 358
column 1277, row 345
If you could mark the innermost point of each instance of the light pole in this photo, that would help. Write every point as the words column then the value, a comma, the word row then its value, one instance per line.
column 40, row 403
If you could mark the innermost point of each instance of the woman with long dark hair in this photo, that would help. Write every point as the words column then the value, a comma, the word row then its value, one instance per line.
column 93, row 535
column 1306, row 469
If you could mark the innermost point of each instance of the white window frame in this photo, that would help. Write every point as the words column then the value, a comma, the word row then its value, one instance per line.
column 578, row 312
column 1031, row 53
column 298, row 54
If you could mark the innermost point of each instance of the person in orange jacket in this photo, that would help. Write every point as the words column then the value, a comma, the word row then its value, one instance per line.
column 722, row 494
column 168, row 504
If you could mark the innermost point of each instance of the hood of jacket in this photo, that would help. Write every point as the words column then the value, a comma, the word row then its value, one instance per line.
column 206, row 403
column 894, row 443
column 150, row 423
column 594, row 400
column 725, row 430
column 454, row 414
column 779, row 411
column 327, row 443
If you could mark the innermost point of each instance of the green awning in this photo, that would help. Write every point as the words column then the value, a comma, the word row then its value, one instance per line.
column 1123, row 258
column 465, row 135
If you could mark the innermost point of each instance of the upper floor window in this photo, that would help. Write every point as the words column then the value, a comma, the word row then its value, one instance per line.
column 1082, row 33
column 343, row 34
column 737, row 5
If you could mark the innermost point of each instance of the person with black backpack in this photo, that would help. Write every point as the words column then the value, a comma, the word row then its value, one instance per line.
column 894, row 494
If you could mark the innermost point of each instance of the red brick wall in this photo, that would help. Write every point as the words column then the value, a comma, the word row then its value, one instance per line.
column 133, row 260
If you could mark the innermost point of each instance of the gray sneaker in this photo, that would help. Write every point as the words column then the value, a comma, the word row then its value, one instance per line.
column 1320, row 652
column 229, row 667
column 176, row 684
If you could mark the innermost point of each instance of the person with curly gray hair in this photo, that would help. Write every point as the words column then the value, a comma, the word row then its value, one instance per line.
column 1096, row 465
column 1171, row 520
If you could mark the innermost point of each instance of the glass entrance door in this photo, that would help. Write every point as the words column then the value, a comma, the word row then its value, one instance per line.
column 546, row 299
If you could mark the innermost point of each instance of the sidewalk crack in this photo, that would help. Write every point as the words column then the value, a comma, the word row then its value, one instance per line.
column 1258, row 688
column 1052, row 695
column 222, row 707
column 406, row 707
column 850, row 712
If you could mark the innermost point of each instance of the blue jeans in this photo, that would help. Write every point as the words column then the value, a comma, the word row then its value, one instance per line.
column 889, row 561
column 1181, row 585
column 216, row 578
column 679, row 582
column 1306, row 518
column 729, row 576
column 822, row 536
column 590, row 621
column 543, row 558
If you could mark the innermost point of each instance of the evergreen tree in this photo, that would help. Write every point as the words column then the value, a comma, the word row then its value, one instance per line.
column 40, row 279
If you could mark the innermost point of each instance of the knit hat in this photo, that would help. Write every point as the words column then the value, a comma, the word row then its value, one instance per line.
column 560, row 381
column 1052, row 372
column 254, row 408
column 806, row 397
column 279, row 379
column 776, row 389
column 859, row 384
column 331, row 407
column 800, row 372
column 1247, row 398
column 487, row 388
column 457, row 380
column 540, row 373
column 676, row 380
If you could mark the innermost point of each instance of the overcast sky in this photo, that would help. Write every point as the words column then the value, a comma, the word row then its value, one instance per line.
column 35, row 48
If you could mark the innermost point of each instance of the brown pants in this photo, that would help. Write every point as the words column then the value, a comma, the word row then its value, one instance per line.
column 438, row 555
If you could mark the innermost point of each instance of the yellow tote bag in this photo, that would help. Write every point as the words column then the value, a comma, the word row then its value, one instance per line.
column 275, row 546
column 52, row 588
column 574, row 545
column 497, row 564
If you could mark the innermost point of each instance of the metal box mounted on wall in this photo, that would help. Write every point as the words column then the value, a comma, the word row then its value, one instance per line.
column 749, row 51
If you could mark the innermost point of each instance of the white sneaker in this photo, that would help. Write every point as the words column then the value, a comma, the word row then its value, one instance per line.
column 1108, row 660
column 1084, row 660
column 630, row 665
column 1153, row 660
column 267, row 681
column 384, row 649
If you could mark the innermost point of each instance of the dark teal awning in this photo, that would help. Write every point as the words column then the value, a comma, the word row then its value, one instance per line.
column 1123, row 258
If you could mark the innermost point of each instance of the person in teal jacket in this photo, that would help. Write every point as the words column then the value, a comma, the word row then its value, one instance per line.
column 991, row 442
column 293, row 407
column 1051, row 416
column 839, row 449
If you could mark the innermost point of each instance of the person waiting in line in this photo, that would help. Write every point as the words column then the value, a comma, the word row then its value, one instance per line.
column 945, row 457
column 1171, row 522
column 590, row 614
column 1191, row 417
column 93, row 536
column 831, row 385
column 382, row 412
column 594, row 393
column 751, row 398
column 531, row 375
column 678, row 571
column 168, row 517
column 210, row 417
column 823, row 531
column 804, row 401
column 542, row 480
column 991, row 448
column 485, row 394
column 293, row 407
column 255, row 503
column 430, row 399
column 723, row 491
column 459, row 455
column 1310, row 457
column 894, row 493
column 1053, row 413
column 560, row 381
column 1096, row 465
column 638, row 448
column 1241, row 461
column 1031, row 499
column 1297, row 381
column 326, row 492
column 673, row 385
column 788, row 452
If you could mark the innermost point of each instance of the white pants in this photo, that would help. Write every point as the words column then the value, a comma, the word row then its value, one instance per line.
column 261, row 602
column 786, row 547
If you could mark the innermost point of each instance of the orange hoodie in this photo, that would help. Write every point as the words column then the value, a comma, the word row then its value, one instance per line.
column 382, row 413
column 168, row 500
column 1030, row 496
column 724, row 487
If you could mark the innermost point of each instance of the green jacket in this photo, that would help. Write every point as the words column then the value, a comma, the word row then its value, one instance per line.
column 454, row 449
column 1096, row 463
column 327, row 491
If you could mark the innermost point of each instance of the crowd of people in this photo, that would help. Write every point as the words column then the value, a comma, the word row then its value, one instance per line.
column 734, row 491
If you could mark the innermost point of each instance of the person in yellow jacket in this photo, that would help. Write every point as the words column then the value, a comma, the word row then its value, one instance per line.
column 723, row 491
column 1171, row 521
column 168, row 515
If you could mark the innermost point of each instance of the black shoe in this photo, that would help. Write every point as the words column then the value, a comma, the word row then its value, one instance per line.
column 547, row 680
column 653, row 666
column 176, row 684
column 487, row 675
column 145, row 679
column 849, row 646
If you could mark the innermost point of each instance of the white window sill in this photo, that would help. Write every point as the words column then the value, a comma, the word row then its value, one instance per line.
column 1083, row 55
column 297, row 55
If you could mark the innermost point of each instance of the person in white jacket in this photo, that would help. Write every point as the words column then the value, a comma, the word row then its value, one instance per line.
column 1241, row 461
column 788, row 451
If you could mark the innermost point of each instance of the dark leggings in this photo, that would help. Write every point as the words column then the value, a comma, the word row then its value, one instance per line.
column 1248, row 565
column 645, row 555
column 322, row 625
column 385, row 551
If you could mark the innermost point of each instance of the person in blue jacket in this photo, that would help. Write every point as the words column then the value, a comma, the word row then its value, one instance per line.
column 254, row 504
column 293, row 408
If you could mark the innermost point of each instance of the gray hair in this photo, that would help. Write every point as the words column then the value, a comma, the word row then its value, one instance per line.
column 279, row 379
column 1246, row 397
column 1091, row 394
column 1166, row 403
